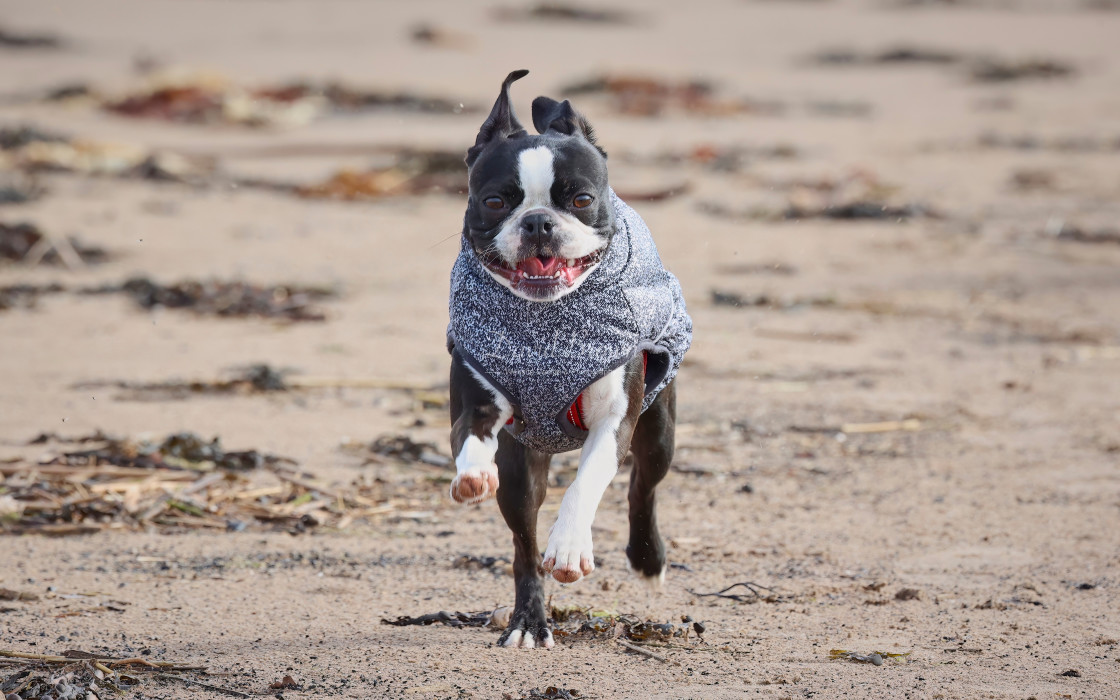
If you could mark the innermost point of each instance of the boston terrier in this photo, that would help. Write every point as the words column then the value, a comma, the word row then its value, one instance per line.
column 566, row 333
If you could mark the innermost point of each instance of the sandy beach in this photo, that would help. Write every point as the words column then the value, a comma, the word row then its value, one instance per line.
column 897, row 227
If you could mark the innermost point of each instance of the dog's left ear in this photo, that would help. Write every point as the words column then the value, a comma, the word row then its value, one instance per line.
column 550, row 115
column 502, row 122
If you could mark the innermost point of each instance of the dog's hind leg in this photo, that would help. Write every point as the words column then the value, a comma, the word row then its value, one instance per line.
column 653, row 452
column 524, row 481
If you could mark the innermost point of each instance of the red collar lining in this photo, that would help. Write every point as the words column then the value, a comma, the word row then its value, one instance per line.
column 575, row 411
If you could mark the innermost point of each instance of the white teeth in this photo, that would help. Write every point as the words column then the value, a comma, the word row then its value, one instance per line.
column 570, row 263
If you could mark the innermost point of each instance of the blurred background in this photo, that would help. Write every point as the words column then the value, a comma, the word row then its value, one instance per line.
column 896, row 222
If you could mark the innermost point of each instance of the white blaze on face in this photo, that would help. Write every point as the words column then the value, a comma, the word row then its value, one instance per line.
column 535, row 173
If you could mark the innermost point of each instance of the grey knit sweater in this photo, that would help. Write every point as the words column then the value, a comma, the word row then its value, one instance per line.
column 542, row 355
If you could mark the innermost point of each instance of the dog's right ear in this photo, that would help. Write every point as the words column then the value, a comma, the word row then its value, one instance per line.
column 501, row 124
column 550, row 115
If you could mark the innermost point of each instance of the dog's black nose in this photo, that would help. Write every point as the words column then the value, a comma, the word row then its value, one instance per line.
column 537, row 224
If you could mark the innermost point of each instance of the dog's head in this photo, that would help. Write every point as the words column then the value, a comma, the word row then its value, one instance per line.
column 539, row 216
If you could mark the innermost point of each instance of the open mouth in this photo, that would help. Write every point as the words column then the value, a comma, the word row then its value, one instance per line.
column 541, row 276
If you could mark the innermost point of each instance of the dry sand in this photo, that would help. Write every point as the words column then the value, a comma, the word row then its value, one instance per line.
column 999, row 338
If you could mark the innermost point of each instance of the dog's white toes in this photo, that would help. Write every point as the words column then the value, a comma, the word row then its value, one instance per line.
column 475, row 485
column 569, row 557
column 524, row 639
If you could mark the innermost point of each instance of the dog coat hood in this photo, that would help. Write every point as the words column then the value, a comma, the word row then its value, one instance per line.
column 542, row 355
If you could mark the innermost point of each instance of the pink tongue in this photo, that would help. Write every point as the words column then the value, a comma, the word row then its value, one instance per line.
column 538, row 267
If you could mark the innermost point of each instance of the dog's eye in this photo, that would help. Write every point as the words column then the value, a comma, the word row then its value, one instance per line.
column 582, row 201
column 494, row 202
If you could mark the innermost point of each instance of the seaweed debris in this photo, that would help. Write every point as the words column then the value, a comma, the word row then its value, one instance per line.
column 857, row 195
column 26, row 243
column 860, row 209
column 768, row 301
column 977, row 67
column 404, row 448
column 576, row 622
column 759, row 268
column 495, row 565
column 111, row 482
column 451, row 619
column 13, row 137
column 18, row 188
column 433, row 35
column 252, row 379
column 178, row 451
column 11, row 39
column 26, row 296
column 855, row 210
column 91, row 483
column 993, row 70
column 1078, row 234
column 225, row 299
column 81, row 674
column 876, row 657
column 572, row 622
column 210, row 100
column 563, row 12
column 552, row 692
column 637, row 95
column 30, row 150
column 896, row 55
column 400, row 171
column 412, row 172
column 1061, row 144
column 713, row 157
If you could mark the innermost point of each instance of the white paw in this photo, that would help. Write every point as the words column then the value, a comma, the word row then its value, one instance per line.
column 524, row 639
column 569, row 555
column 475, row 485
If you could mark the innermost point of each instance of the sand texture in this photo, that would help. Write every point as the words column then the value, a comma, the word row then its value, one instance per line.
column 897, row 227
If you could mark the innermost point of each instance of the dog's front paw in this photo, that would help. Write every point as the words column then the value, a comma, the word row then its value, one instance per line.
column 475, row 485
column 569, row 556
column 527, row 630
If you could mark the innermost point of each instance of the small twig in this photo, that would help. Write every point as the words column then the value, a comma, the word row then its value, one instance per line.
column 52, row 659
column 136, row 660
column 749, row 585
column 167, row 498
column 215, row 688
column 35, row 657
column 890, row 426
column 350, row 500
column 663, row 645
column 38, row 251
column 67, row 254
column 646, row 652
